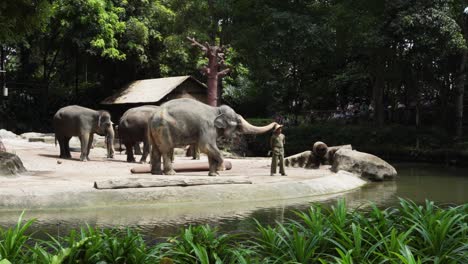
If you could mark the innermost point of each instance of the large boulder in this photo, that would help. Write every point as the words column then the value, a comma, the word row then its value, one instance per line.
column 364, row 164
column 10, row 164
column 7, row 134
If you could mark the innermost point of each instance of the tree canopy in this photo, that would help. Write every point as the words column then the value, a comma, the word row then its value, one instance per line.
column 292, row 56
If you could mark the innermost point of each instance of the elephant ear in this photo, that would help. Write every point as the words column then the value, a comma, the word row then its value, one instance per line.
column 220, row 121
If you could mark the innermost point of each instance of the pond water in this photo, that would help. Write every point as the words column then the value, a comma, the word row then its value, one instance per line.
column 418, row 182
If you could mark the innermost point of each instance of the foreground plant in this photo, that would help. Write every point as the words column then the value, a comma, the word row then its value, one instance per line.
column 13, row 241
column 408, row 233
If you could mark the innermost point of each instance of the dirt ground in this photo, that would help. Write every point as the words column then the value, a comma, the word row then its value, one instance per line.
column 59, row 183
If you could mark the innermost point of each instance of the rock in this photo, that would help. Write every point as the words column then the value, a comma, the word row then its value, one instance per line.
column 320, row 154
column 10, row 164
column 304, row 159
column 7, row 134
column 364, row 164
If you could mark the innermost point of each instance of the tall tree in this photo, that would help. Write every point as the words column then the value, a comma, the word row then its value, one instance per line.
column 215, row 69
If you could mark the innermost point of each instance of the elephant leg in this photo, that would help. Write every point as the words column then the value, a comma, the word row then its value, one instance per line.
column 130, row 157
column 215, row 160
column 66, row 144
column 84, row 139
column 212, row 166
column 146, row 150
column 137, row 148
column 156, row 161
column 195, row 152
column 168, row 170
column 90, row 145
column 61, row 142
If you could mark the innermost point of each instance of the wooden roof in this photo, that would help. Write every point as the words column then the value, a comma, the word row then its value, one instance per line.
column 148, row 91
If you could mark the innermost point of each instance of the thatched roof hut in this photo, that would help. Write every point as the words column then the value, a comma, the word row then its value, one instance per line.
column 157, row 91
column 154, row 92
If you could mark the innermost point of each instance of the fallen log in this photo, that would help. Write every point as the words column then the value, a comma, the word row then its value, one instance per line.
column 155, row 182
column 182, row 167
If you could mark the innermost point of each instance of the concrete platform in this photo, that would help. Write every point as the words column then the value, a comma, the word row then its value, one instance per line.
column 53, row 183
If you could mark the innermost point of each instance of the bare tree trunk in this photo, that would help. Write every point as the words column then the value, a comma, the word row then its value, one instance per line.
column 76, row 71
column 377, row 93
column 45, row 95
column 215, row 70
column 2, row 67
column 459, row 95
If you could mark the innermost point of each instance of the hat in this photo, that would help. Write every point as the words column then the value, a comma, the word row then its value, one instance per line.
column 277, row 126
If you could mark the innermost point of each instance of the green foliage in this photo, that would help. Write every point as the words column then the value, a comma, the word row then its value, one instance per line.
column 13, row 241
column 19, row 18
column 395, row 141
column 408, row 233
column 200, row 244
column 101, row 19
column 285, row 56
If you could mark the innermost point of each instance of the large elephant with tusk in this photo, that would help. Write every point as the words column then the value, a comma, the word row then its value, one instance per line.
column 185, row 121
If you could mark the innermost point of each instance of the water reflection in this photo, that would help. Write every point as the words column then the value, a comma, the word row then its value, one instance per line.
column 417, row 182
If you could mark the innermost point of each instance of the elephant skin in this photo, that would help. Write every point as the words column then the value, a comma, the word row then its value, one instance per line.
column 364, row 164
column 133, row 127
column 182, row 122
column 83, row 123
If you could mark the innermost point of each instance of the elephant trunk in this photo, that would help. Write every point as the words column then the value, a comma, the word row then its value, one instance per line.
column 247, row 128
column 110, row 142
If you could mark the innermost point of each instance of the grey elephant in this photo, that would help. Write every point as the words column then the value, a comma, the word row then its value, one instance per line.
column 182, row 122
column 133, row 126
column 82, row 122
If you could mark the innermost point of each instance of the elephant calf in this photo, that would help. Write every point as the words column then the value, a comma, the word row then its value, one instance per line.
column 82, row 122
column 133, row 128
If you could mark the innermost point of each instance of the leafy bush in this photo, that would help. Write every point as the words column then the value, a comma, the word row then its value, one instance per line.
column 409, row 233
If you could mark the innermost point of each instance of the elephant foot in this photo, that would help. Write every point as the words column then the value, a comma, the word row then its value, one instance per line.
column 214, row 174
column 131, row 160
column 157, row 172
column 110, row 156
column 170, row 172
column 142, row 161
column 221, row 167
column 88, row 159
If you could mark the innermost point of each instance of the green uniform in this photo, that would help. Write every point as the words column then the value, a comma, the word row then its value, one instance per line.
column 277, row 152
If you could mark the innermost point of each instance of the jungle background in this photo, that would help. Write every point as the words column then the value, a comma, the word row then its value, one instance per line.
column 385, row 76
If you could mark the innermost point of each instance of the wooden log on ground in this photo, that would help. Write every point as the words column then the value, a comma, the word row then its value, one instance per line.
column 164, row 182
column 183, row 167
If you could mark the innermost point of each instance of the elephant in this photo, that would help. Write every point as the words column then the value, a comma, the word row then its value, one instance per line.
column 75, row 120
column 186, row 121
column 132, row 129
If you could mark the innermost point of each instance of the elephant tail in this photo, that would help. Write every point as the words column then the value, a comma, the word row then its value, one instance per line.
column 55, row 139
column 120, row 138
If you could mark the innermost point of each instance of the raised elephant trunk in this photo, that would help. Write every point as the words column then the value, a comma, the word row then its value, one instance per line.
column 247, row 128
column 110, row 142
